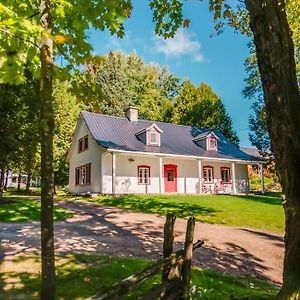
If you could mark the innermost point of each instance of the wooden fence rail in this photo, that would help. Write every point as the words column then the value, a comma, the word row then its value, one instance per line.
column 175, row 268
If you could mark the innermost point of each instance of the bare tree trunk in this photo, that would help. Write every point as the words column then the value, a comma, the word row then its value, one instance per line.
column 6, row 180
column 29, row 177
column 275, row 55
column 2, row 173
column 47, row 178
column 19, row 182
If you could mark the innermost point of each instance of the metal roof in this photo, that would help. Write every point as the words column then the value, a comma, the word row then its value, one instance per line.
column 120, row 134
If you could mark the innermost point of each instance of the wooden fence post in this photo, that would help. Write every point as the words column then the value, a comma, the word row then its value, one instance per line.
column 168, row 241
column 188, row 254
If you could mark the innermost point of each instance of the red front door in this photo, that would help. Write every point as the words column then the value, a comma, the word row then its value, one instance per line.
column 170, row 173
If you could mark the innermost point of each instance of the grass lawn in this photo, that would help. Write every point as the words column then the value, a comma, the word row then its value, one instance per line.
column 25, row 208
column 263, row 212
column 80, row 276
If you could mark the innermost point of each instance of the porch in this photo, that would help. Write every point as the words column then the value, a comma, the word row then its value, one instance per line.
column 124, row 173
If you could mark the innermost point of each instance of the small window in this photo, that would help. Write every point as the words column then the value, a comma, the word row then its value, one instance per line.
column 225, row 175
column 83, row 175
column 86, row 142
column 208, row 174
column 212, row 143
column 83, row 143
column 144, row 175
column 154, row 138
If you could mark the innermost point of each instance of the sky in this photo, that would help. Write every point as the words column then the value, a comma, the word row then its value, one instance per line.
column 195, row 53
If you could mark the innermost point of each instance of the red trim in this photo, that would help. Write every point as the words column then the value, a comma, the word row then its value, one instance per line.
column 229, row 176
column 138, row 174
column 212, row 174
column 170, row 187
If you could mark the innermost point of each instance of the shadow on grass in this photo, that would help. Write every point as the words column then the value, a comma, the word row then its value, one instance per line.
column 155, row 205
column 21, row 209
column 269, row 198
column 81, row 276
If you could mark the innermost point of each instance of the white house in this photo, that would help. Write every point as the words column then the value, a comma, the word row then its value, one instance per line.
column 113, row 155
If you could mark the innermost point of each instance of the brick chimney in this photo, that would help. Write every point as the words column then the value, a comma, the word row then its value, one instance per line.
column 132, row 113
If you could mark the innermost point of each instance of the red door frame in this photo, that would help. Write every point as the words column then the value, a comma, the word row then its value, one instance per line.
column 170, row 187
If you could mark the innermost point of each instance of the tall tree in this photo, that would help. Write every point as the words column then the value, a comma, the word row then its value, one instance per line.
column 259, row 135
column 118, row 80
column 66, row 111
column 203, row 108
column 10, row 119
column 27, row 34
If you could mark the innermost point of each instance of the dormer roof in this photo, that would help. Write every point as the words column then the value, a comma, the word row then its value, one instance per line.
column 205, row 135
column 148, row 128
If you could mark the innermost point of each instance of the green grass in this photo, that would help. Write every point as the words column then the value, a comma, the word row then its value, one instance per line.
column 263, row 212
column 25, row 209
column 81, row 276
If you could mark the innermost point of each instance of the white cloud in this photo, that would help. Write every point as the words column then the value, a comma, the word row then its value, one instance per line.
column 183, row 44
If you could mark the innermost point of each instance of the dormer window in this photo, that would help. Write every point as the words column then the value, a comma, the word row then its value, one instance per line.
column 212, row 143
column 154, row 138
column 150, row 136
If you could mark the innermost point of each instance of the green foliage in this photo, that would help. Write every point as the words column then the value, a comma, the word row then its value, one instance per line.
column 118, row 80
column 25, row 209
column 263, row 212
column 20, row 32
column 10, row 117
column 81, row 276
column 66, row 111
column 201, row 107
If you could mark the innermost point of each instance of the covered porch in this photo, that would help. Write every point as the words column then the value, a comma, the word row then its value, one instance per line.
column 139, row 173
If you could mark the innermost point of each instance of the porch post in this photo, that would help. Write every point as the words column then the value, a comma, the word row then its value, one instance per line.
column 262, row 178
column 113, row 173
column 199, row 176
column 160, row 174
column 233, row 178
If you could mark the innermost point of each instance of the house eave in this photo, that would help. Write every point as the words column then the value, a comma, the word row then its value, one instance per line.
column 247, row 162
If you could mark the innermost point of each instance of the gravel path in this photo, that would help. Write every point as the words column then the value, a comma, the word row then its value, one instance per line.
column 108, row 230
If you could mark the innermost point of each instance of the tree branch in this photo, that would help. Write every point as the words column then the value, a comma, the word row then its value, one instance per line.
column 21, row 38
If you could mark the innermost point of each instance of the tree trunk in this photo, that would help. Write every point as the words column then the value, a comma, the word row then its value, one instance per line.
column 19, row 182
column 2, row 173
column 47, row 178
column 29, row 177
column 6, row 180
column 275, row 55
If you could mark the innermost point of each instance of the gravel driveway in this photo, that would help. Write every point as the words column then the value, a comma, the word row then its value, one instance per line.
column 108, row 230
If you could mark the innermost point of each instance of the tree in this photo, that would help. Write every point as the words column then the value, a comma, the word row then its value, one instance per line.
column 10, row 119
column 203, row 108
column 27, row 34
column 66, row 111
column 118, row 80
column 259, row 135
column 275, row 56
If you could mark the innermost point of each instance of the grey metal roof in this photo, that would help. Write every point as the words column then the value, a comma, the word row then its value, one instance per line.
column 120, row 134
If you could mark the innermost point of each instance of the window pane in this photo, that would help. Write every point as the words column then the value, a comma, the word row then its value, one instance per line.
column 86, row 142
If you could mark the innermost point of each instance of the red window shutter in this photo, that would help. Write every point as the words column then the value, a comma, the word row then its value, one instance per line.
column 88, row 174
column 77, row 171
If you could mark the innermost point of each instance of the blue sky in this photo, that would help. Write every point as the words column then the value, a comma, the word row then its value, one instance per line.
column 193, row 54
